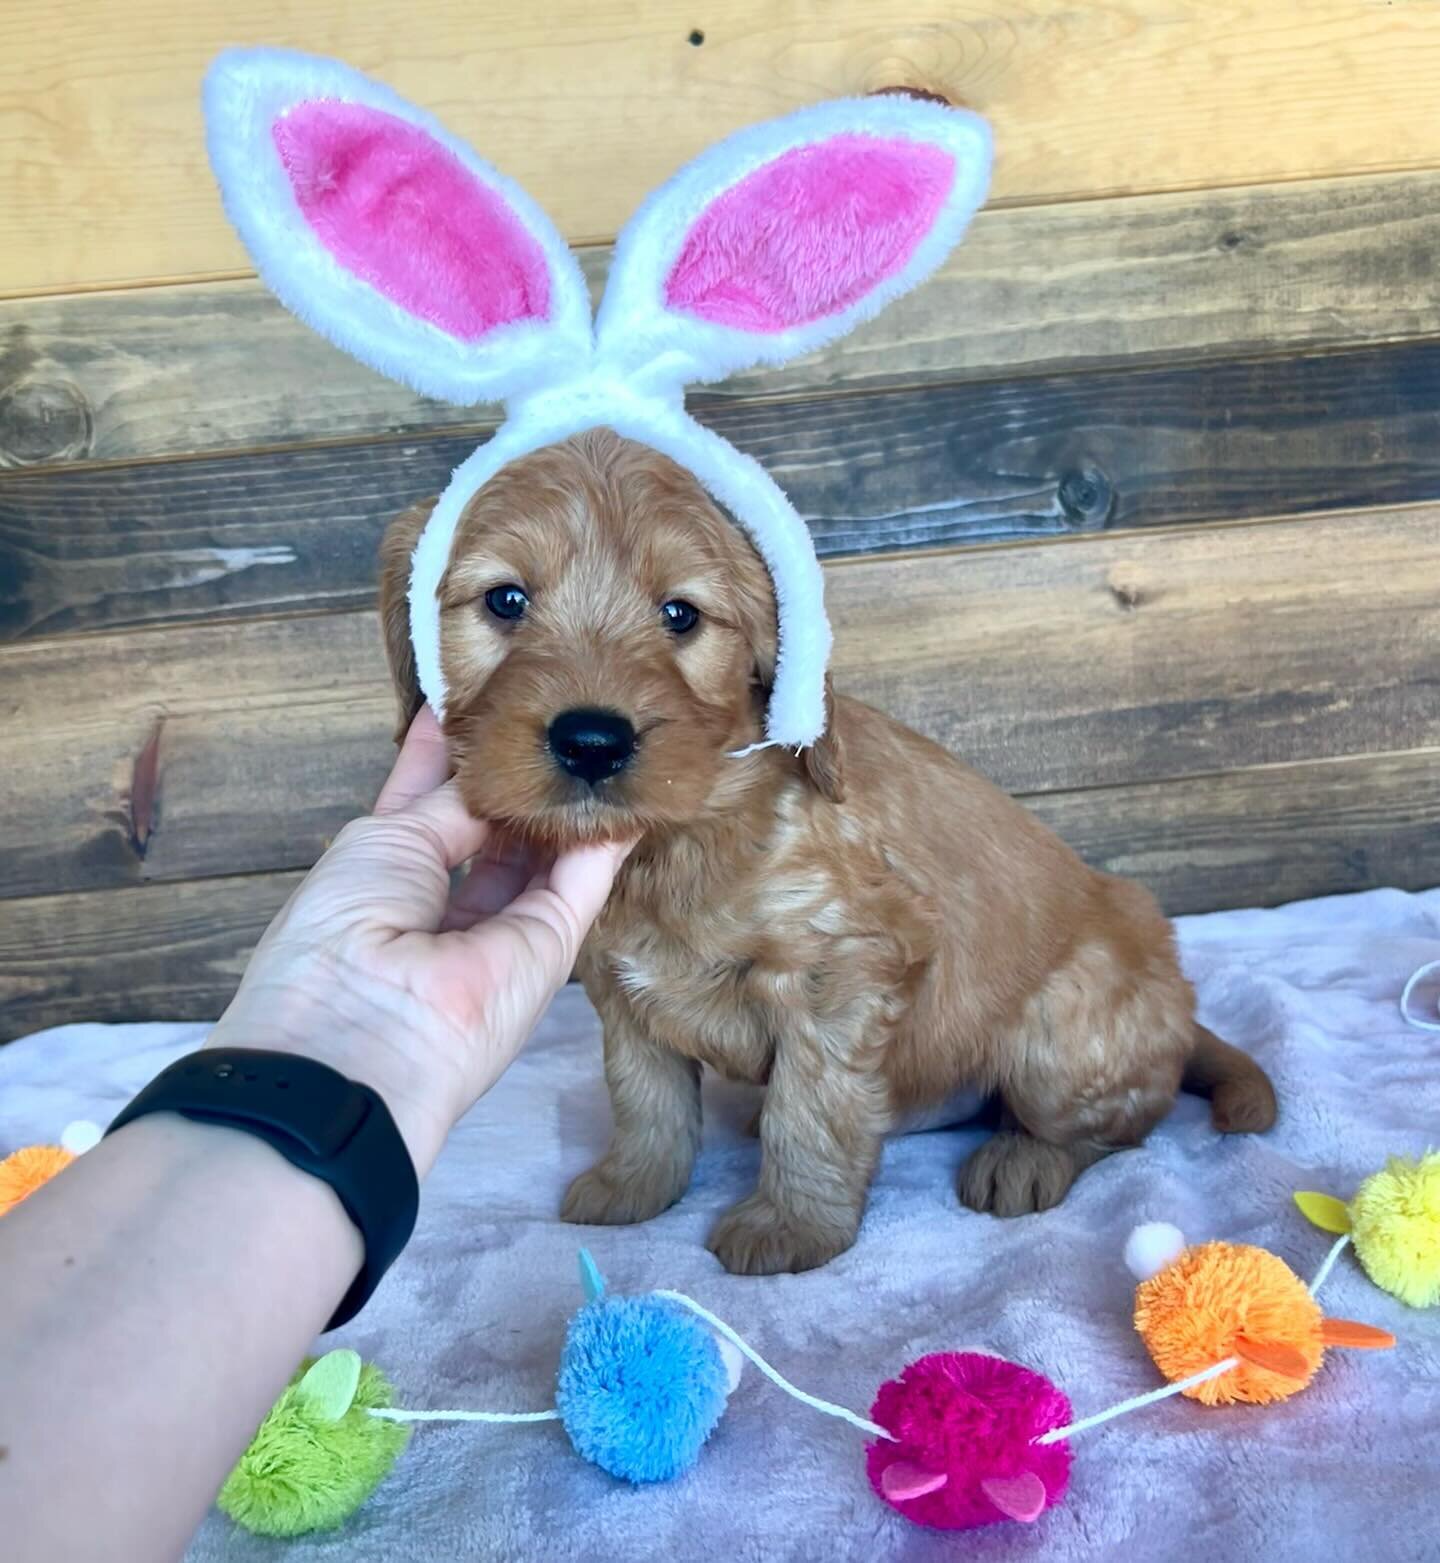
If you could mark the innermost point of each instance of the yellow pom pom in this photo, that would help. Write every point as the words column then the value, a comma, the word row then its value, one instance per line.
column 1220, row 1300
column 1395, row 1227
column 25, row 1170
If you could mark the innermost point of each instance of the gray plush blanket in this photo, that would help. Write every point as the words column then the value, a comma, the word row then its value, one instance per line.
column 474, row 1313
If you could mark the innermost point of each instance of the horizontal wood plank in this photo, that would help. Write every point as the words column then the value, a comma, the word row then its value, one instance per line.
column 151, row 372
column 1263, row 836
column 1249, row 838
column 160, row 952
column 590, row 105
column 296, row 531
column 1111, row 660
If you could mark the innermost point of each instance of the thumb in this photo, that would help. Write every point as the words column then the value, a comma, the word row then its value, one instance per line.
column 583, row 878
column 555, row 912
column 516, row 962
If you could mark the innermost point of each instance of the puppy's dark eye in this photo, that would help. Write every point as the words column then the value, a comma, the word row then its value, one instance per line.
column 507, row 602
column 680, row 617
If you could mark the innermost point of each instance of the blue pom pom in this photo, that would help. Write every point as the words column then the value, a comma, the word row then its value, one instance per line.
column 642, row 1385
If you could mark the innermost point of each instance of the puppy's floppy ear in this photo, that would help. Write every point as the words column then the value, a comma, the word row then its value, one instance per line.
column 824, row 761
column 396, row 548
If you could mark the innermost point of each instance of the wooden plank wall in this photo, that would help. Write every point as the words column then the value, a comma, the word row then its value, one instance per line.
column 1136, row 506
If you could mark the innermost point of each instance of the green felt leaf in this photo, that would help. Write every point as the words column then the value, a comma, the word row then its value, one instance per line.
column 1325, row 1211
column 330, row 1384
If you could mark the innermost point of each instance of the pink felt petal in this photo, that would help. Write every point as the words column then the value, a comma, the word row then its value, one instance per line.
column 1020, row 1497
column 810, row 233
column 399, row 210
column 900, row 1481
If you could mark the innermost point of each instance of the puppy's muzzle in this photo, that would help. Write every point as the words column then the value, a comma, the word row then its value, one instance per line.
column 591, row 745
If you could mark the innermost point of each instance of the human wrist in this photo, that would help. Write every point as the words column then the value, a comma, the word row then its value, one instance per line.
column 417, row 1102
column 181, row 1152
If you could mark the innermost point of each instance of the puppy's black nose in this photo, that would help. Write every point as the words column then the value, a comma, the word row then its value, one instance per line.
column 591, row 744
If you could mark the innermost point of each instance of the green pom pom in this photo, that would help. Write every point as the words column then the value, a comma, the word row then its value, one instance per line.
column 1395, row 1226
column 304, row 1472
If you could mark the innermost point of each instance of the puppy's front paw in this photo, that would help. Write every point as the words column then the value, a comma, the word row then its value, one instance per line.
column 759, row 1237
column 1016, row 1175
column 611, row 1196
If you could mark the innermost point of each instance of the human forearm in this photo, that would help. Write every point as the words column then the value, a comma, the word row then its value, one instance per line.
column 119, row 1310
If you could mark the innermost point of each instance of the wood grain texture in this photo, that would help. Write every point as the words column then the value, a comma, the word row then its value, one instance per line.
column 159, row 952
column 150, row 372
column 590, row 104
column 1248, row 838
column 296, row 531
column 1112, row 660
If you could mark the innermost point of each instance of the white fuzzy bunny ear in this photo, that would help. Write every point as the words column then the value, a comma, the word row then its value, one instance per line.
column 790, row 233
column 386, row 234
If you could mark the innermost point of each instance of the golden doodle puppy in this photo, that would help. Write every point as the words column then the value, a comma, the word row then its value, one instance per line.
column 863, row 928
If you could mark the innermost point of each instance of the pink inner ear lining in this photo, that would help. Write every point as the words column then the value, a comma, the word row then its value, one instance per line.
column 400, row 211
column 811, row 233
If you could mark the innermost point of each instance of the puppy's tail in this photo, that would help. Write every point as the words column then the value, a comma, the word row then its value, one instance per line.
column 1242, row 1100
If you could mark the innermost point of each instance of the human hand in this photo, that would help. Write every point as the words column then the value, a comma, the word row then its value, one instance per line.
column 377, row 968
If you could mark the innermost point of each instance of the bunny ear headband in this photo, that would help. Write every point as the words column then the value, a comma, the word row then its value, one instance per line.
column 392, row 239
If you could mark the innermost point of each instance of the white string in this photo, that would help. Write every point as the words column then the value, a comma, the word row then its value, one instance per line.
column 1336, row 1249
column 1123, row 1408
column 1416, row 978
column 1136, row 1401
column 1166, row 1390
column 395, row 1414
column 775, row 1377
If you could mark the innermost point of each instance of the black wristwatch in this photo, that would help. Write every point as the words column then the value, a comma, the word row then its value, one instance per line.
column 318, row 1120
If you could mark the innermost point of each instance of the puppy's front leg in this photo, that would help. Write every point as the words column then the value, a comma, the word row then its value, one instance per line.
column 655, row 1099
column 820, row 1134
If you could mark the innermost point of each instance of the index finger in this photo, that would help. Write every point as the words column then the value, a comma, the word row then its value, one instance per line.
column 421, row 766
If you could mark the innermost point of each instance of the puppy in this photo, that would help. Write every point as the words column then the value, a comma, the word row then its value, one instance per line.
column 862, row 928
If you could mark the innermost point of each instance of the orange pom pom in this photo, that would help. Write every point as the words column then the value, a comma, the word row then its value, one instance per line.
column 1221, row 1300
column 25, row 1170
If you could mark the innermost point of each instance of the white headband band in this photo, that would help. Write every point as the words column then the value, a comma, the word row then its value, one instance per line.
column 392, row 239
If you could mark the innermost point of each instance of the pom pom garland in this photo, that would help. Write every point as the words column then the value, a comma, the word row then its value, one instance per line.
column 641, row 1387
column 1227, row 1300
column 1393, row 1223
column 962, row 1450
column 959, row 1440
column 319, row 1453
column 25, row 1170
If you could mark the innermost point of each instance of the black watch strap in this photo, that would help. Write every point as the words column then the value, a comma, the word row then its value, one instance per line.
column 319, row 1121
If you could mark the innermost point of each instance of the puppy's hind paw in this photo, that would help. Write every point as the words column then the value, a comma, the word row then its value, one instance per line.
column 1243, row 1106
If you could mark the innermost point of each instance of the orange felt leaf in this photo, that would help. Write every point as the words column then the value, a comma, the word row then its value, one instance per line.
column 1362, row 1337
column 1274, row 1355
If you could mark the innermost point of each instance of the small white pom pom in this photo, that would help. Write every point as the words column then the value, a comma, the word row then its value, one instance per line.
column 1151, row 1247
column 734, row 1360
column 80, row 1136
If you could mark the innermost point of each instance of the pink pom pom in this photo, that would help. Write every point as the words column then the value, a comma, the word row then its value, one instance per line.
column 964, row 1453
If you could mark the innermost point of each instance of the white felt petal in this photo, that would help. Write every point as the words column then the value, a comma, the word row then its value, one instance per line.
column 245, row 91
column 1151, row 1247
